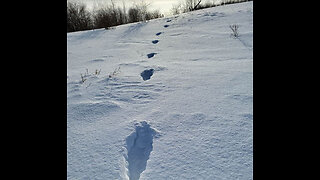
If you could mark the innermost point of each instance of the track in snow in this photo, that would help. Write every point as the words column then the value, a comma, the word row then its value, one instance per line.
column 155, row 41
column 150, row 55
column 146, row 74
column 139, row 147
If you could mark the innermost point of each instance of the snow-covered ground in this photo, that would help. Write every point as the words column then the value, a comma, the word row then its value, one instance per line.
column 171, row 98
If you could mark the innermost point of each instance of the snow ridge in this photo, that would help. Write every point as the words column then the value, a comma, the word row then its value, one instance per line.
column 139, row 147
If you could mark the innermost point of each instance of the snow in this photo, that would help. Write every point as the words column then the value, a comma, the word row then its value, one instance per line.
column 170, row 98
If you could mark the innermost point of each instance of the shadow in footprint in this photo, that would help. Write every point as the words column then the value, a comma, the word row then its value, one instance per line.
column 155, row 41
column 169, row 20
column 139, row 145
column 159, row 33
column 146, row 74
column 166, row 26
column 150, row 55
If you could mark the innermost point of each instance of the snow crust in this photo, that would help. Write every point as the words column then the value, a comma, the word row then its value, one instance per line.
column 191, row 118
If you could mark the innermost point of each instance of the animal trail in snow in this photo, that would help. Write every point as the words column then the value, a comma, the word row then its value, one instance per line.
column 159, row 33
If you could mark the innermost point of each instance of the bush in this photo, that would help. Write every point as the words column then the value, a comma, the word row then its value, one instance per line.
column 140, row 13
column 235, row 31
column 109, row 16
column 153, row 15
column 134, row 15
column 192, row 5
column 78, row 18
column 176, row 9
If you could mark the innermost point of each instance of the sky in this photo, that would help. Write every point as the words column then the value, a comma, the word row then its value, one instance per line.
column 163, row 6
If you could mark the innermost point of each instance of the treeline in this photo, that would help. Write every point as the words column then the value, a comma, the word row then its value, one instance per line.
column 192, row 5
column 79, row 18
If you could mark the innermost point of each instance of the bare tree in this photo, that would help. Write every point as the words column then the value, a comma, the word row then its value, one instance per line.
column 192, row 5
column 176, row 9
column 139, row 12
column 196, row 6
column 78, row 18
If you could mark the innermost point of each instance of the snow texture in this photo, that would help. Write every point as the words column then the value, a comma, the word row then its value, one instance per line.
column 169, row 98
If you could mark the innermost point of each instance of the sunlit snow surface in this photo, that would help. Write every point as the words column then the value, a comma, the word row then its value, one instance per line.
column 191, row 118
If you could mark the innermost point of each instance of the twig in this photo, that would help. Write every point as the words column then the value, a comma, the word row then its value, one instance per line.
column 235, row 32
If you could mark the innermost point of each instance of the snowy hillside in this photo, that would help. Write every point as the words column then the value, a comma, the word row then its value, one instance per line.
column 170, row 98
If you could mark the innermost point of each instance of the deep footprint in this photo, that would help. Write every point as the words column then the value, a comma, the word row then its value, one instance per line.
column 159, row 33
column 146, row 74
column 150, row 55
column 155, row 41
column 139, row 145
column 166, row 26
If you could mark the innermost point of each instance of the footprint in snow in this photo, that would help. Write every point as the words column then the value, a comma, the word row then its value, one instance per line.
column 150, row 55
column 155, row 41
column 146, row 74
column 166, row 26
column 159, row 33
column 139, row 146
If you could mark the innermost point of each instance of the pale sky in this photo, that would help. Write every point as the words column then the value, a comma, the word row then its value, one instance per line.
column 163, row 6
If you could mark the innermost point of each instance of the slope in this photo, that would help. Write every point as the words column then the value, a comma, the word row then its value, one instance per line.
column 170, row 98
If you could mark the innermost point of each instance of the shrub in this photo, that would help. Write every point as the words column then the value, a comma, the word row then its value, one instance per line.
column 235, row 32
column 191, row 5
column 78, row 18
column 140, row 13
column 134, row 15
column 176, row 9
column 109, row 16
column 153, row 15
column 115, row 72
